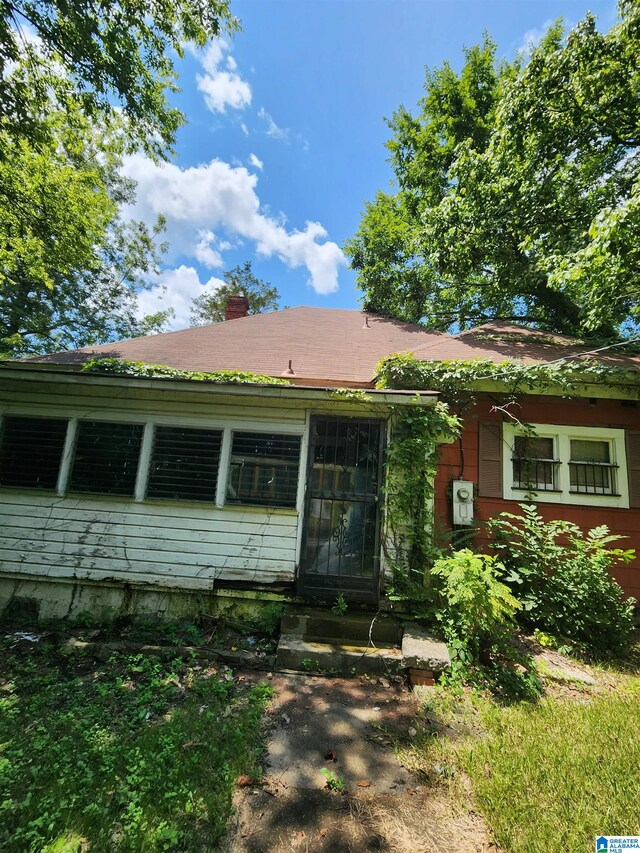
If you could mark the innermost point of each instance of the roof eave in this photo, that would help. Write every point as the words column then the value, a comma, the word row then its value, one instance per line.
column 70, row 375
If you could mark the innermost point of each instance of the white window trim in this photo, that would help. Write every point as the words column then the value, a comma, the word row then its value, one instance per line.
column 562, row 436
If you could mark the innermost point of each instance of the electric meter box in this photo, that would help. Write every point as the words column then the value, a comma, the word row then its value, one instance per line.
column 462, row 502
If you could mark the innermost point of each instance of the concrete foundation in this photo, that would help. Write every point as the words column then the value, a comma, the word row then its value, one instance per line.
column 38, row 599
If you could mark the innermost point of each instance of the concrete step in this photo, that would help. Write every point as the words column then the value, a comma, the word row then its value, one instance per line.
column 317, row 625
column 302, row 655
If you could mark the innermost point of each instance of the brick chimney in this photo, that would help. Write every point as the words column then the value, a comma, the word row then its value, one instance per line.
column 237, row 306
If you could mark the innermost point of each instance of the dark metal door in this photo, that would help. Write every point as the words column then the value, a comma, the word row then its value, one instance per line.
column 341, row 537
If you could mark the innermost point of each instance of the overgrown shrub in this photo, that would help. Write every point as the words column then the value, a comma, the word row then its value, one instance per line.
column 562, row 578
column 476, row 609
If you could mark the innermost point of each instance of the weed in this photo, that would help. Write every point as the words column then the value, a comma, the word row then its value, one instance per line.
column 120, row 754
column 340, row 606
column 267, row 622
column 332, row 781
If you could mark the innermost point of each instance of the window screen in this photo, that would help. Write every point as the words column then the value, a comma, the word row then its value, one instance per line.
column 264, row 469
column 184, row 463
column 31, row 451
column 106, row 458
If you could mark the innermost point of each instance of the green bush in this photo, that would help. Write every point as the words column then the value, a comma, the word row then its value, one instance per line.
column 476, row 610
column 562, row 578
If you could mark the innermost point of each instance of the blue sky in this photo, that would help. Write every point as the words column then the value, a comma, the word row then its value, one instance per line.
column 285, row 135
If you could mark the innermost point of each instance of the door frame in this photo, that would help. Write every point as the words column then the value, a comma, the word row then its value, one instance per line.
column 351, row 588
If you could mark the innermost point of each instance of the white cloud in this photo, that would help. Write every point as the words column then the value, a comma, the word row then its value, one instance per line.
column 532, row 38
column 244, row 128
column 202, row 200
column 272, row 128
column 222, row 88
column 206, row 252
column 256, row 162
column 176, row 289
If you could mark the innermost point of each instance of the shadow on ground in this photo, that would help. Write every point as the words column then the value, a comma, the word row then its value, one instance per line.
column 347, row 728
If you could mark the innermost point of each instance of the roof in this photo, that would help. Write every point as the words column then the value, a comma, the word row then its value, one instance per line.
column 324, row 345
column 328, row 347
column 500, row 341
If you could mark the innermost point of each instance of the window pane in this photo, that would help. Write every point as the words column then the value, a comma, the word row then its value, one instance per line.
column 590, row 471
column 31, row 451
column 184, row 463
column 583, row 450
column 264, row 469
column 533, row 447
column 106, row 458
column 533, row 465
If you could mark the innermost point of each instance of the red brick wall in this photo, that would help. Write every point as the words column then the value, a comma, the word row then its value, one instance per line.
column 548, row 410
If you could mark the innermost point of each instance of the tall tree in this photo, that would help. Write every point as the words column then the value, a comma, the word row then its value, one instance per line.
column 518, row 191
column 95, row 55
column 70, row 267
column 210, row 306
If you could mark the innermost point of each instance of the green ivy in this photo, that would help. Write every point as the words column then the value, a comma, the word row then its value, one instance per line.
column 412, row 463
column 351, row 395
column 122, row 367
column 458, row 381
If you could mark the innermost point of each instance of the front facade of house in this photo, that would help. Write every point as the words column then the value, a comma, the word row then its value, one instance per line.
column 131, row 494
column 115, row 488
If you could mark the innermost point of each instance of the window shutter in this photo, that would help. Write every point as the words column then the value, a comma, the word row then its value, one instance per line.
column 633, row 466
column 490, row 460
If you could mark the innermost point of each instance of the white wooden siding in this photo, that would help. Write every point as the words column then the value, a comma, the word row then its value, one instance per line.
column 172, row 545
column 167, row 543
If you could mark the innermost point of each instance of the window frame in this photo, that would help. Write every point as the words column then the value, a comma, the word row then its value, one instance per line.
column 255, row 503
column 562, row 435
column 227, row 425
column 553, row 462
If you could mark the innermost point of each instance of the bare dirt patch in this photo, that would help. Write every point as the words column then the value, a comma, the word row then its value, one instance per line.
column 346, row 728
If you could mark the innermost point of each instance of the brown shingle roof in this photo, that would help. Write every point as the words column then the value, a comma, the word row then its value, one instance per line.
column 499, row 341
column 328, row 346
column 324, row 345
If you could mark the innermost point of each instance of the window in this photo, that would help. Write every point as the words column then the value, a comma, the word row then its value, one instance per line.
column 534, row 463
column 263, row 469
column 184, row 463
column 106, row 458
column 591, row 471
column 31, row 451
column 565, row 464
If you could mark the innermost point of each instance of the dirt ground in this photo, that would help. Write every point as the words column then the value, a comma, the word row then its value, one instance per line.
column 344, row 730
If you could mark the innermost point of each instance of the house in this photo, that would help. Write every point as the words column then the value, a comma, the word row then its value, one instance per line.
column 160, row 493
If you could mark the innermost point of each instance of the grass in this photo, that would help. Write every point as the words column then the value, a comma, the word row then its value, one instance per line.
column 130, row 754
column 546, row 775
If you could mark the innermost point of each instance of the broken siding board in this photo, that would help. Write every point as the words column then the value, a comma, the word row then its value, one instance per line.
column 153, row 539
column 188, row 541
